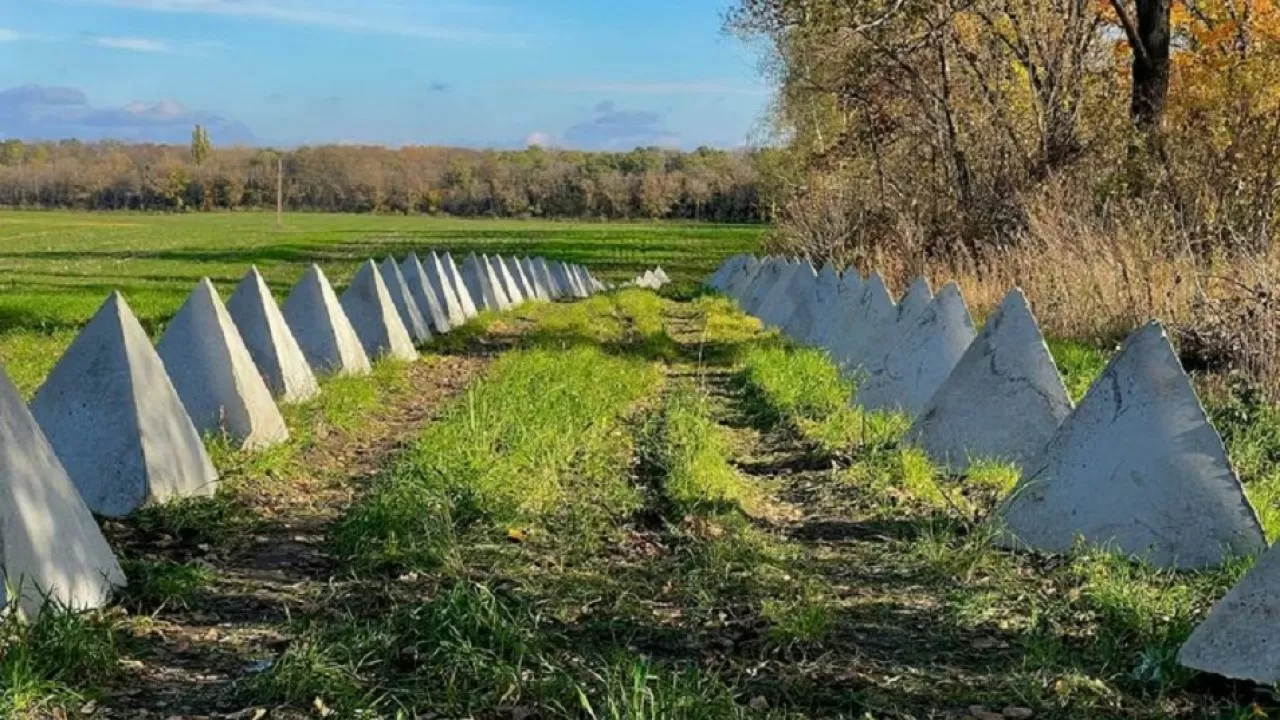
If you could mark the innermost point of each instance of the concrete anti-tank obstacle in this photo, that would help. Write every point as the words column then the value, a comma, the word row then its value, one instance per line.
column 452, row 307
column 475, row 277
column 271, row 343
column 1138, row 468
column 469, row 302
column 560, row 272
column 742, row 279
column 1003, row 401
column 510, row 286
column 1240, row 638
column 407, row 306
column 50, row 546
column 517, row 272
column 215, row 375
column 836, row 316
column 115, row 421
column 760, row 284
column 495, row 281
column 853, row 284
column 373, row 314
column 919, row 360
column 543, row 271
column 536, row 284
column 814, row 298
column 861, row 330
column 777, row 286
column 430, row 297
column 914, row 301
column 719, row 279
column 663, row 277
column 781, row 304
column 322, row 328
column 575, row 281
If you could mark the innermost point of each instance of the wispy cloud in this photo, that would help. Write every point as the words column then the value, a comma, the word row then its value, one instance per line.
column 709, row 87
column 133, row 44
column 385, row 18
column 7, row 35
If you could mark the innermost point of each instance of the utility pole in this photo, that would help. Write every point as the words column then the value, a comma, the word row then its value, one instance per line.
column 279, row 191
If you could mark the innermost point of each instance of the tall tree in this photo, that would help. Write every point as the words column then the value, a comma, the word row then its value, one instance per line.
column 201, row 146
column 1147, row 30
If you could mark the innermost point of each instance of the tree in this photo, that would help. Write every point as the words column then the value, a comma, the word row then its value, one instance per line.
column 1147, row 32
column 201, row 146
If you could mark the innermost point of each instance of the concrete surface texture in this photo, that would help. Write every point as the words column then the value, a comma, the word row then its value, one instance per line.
column 516, row 268
column 782, row 305
column 453, row 275
column 373, row 314
column 1003, row 401
column 742, row 278
column 432, row 295
column 115, row 421
column 543, row 270
column 271, row 343
column 322, row 328
column 475, row 275
column 859, row 335
column 215, row 375
column 412, row 313
column 50, row 546
column 536, row 283
column 920, row 358
column 510, row 287
column 818, row 298
column 1136, row 468
column 1240, row 638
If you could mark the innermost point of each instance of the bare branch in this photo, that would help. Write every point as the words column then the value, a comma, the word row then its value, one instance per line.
column 1131, row 32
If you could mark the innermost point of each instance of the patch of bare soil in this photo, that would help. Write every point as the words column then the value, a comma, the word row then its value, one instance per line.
column 185, row 656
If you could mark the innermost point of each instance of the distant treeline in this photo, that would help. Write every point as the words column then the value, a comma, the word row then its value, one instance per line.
column 644, row 183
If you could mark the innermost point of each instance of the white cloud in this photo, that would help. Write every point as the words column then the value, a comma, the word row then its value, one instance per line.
column 133, row 44
column 7, row 35
column 539, row 138
column 386, row 18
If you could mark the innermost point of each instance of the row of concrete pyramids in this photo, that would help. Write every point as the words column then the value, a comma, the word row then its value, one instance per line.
column 1135, row 467
column 118, row 423
column 650, row 279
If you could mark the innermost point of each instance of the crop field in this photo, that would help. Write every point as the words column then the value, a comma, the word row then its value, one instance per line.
column 56, row 268
column 638, row 506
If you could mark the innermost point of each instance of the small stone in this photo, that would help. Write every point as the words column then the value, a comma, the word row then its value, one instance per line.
column 980, row 713
column 759, row 703
column 1014, row 712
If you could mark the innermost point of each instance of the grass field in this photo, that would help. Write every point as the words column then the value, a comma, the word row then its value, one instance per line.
column 631, row 507
column 56, row 268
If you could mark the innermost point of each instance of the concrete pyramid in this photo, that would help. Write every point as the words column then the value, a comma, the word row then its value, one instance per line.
column 663, row 277
column 820, row 294
column 584, row 278
column 719, row 279
column 574, row 281
column 270, row 341
column 741, row 279
column 760, row 285
column 50, row 545
column 522, row 280
column 454, row 276
column 837, row 315
column 322, row 328
column 916, row 299
column 561, row 275
column 435, row 277
column 1004, row 400
column 214, row 373
column 515, row 295
column 919, row 360
column 1240, row 638
column 852, row 283
column 480, row 281
column 373, row 314
column 536, row 284
column 857, row 333
column 430, row 297
column 115, row 422
column 407, row 305
column 781, row 303
column 1136, row 467
column 543, row 270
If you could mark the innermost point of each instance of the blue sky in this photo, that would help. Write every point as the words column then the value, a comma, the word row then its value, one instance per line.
column 591, row 74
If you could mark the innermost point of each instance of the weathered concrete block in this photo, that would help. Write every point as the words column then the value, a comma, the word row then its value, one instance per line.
column 215, row 376
column 322, row 328
column 115, row 421
column 1240, row 638
column 663, row 277
column 407, row 305
column 820, row 294
column 1137, row 467
column 433, row 296
column 475, row 275
column 781, row 304
column 373, row 315
column 270, row 342
column 858, row 334
column 918, row 361
column 453, row 275
column 518, row 274
column 511, row 288
column 543, row 271
column 769, row 275
column 536, row 282
column 741, row 279
column 50, row 546
column 564, row 279
column 914, row 301
column 1003, row 401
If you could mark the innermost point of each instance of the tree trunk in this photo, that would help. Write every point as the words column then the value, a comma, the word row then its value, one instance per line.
column 1150, row 63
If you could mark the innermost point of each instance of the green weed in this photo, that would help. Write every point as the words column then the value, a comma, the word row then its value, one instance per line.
column 53, row 661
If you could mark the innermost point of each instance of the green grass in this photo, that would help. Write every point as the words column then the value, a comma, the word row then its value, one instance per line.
column 60, row 266
column 690, row 453
column 56, row 660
